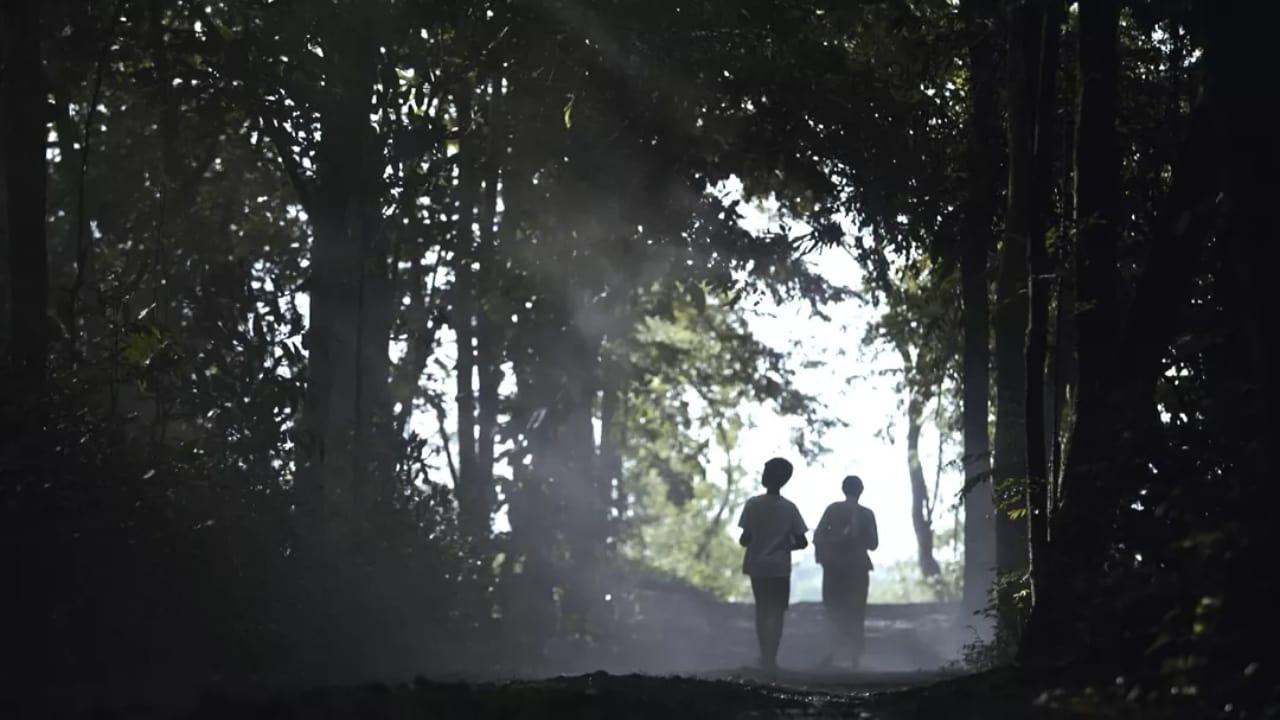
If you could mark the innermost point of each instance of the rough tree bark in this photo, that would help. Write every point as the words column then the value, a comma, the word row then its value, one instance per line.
column 981, row 205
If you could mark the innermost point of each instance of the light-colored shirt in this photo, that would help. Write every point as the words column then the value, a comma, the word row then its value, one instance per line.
column 844, row 535
column 773, row 523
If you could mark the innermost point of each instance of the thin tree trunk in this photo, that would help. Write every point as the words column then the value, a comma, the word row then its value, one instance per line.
column 1098, row 205
column 979, row 216
column 84, row 242
column 470, row 505
column 1083, row 525
column 1064, row 331
column 1012, row 308
column 921, row 523
column 1064, row 377
column 488, row 332
column 1039, row 287
column 419, row 340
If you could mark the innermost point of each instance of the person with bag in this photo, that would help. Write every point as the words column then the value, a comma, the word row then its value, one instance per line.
column 842, row 541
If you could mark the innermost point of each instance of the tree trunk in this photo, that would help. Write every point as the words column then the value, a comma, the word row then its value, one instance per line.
column 1012, row 308
column 347, row 399
column 921, row 523
column 488, row 332
column 558, row 523
column 1098, row 219
column 1040, row 285
column 25, row 187
column 979, row 216
column 1246, row 148
column 1083, row 520
column 471, row 512
column 1063, row 352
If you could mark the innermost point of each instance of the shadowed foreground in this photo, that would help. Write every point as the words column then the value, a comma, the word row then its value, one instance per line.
column 599, row 695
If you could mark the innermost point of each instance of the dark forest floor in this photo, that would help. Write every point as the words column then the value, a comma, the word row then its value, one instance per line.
column 663, row 675
column 731, row 694
column 600, row 695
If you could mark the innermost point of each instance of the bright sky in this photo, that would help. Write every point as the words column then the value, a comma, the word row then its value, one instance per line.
column 857, row 384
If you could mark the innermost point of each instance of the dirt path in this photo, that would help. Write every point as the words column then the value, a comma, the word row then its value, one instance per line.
column 900, row 696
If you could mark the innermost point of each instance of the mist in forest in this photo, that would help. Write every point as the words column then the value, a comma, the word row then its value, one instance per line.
column 371, row 340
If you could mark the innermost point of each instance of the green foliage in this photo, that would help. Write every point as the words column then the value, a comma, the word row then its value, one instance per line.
column 902, row 582
column 686, row 540
column 696, row 372
column 189, row 178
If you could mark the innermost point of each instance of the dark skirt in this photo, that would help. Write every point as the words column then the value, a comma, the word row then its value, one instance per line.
column 844, row 597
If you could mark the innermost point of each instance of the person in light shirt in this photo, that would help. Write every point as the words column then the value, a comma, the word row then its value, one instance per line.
column 845, row 535
column 771, row 529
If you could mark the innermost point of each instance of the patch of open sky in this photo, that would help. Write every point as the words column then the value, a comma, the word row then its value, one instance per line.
column 857, row 384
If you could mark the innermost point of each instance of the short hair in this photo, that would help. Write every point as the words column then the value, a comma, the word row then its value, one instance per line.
column 776, row 473
column 852, row 485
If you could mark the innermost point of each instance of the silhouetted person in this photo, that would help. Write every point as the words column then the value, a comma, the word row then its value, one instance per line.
column 844, row 536
column 771, row 529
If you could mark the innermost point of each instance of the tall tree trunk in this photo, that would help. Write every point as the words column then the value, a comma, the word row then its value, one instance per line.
column 1098, row 203
column 921, row 523
column 1083, row 523
column 979, row 216
column 558, row 521
column 1239, row 49
column 1040, row 285
column 1064, row 379
column 488, row 330
column 25, row 187
column 1063, row 352
column 471, row 511
column 1012, row 308
column 348, row 379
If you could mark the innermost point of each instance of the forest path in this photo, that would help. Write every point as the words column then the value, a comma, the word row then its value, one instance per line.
column 601, row 695
column 684, row 655
column 694, row 634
